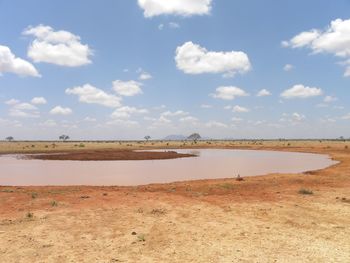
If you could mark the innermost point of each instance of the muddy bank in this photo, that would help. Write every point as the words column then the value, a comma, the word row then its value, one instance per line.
column 108, row 155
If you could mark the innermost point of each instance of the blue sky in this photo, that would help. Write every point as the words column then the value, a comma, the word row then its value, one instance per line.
column 125, row 69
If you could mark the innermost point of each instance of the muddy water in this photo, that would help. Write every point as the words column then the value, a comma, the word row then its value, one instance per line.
column 210, row 164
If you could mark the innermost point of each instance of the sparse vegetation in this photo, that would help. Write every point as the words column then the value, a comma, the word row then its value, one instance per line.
column 304, row 191
column 29, row 215
column 54, row 203
column 158, row 211
column 9, row 138
column 64, row 137
column 194, row 137
column 227, row 186
column 141, row 237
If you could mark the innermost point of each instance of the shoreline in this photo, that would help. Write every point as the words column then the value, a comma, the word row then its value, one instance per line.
column 242, row 218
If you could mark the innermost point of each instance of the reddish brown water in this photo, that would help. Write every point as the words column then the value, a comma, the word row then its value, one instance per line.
column 210, row 164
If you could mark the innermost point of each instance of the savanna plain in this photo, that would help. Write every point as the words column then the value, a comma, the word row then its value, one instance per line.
column 269, row 218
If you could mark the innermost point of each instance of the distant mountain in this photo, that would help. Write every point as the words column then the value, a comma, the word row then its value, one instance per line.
column 175, row 137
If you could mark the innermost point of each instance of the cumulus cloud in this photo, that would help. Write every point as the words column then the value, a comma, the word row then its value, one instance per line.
column 38, row 100
column 24, row 110
column 123, row 123
column 335, row 39
column 346, row 117
column 48, row 123
column 57, row 47
column 329, row 99
column 10, row 63
column 215, row 124
column 228, row 93
column 288, row 67
column 293, row 118
column 145, row 76
column 89, row 119
column 59, row 110
column 263, row 93
column 126, row 111
column 174, row 113
column 189, row 119
column 194, row 59
column 240, row 109
column 90, row 94
column 12, row 102
column 171, row 25
column 174, row 25
column 127, row 88
column 175, row 7
column 298, row 117
column 301, row 91
column 236, row 119
column 206, row 106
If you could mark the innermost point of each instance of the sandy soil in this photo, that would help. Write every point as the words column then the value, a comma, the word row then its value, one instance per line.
column 259, row 219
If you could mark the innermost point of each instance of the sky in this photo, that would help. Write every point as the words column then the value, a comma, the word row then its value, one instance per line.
column 108, row 70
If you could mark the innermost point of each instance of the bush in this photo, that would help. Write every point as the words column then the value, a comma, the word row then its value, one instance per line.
column 305, row 192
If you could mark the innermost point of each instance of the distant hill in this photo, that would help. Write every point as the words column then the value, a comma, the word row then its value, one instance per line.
column 175, row 137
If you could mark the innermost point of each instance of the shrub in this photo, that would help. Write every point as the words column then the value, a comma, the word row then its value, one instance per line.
column 29, row 215
column 141, row 237
column 305, row 192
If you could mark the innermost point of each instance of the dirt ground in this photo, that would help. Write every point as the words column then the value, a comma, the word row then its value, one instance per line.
column 271, row 218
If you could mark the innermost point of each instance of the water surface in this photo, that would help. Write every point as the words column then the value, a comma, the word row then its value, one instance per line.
column 210, row 164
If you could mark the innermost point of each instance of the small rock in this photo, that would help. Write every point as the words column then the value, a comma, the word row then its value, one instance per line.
column 133, row 233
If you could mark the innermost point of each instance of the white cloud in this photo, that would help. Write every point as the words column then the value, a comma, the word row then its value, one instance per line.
column 298, row 117
column 206, row 106
column 215, row 124
column 263, row 93
column 329, row 99
column 229, row 93
column 24, row 106
column 145, row 76
column 346, row 117
column 12, row 102
column 236, row 119
column 175, row 7
column 171, row 25
column 57, row 47
column 288, row 67
column 293, row 118
column 190, row 119
column 175, row 113
column 48, row 123
column 126, row 111
column 194, row 59
column 59, row 110
column 301, row 91
column 10, row 63
column 241, row 109
column 127, row 88
column 335, row 39
column 123, row 123
column 90, row 94
column 24, row 110
column 161, row 26
column 38, row 100
column 89, row 119
column 174, row 25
